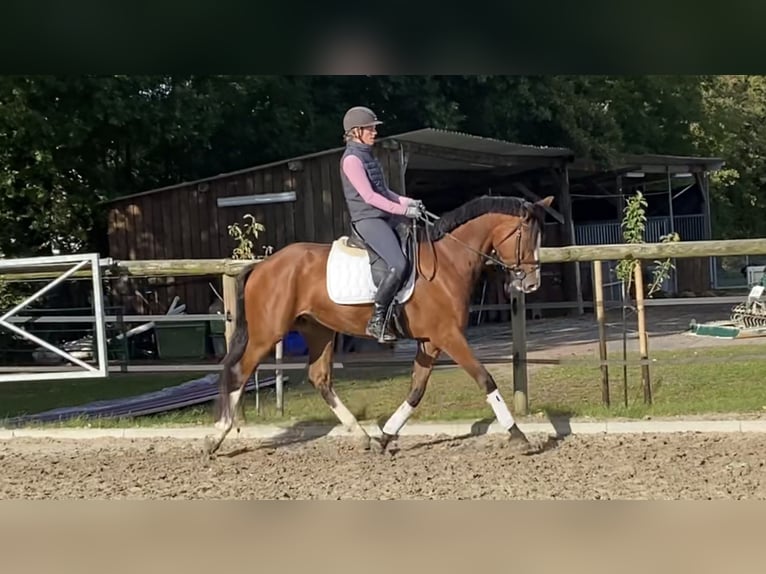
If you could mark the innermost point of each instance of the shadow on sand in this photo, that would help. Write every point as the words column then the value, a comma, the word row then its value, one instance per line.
column 481, row 428
column 300, row 432
column 306, row 431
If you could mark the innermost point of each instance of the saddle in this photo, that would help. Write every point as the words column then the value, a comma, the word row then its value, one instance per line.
column 355, row 270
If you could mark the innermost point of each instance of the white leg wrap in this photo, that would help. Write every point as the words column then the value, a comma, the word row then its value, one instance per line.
column 502, row 413
column 234, row 397
column 345, row 416
column 397, row 420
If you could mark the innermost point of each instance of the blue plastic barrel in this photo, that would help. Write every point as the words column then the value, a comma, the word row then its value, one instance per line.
column 294, row 344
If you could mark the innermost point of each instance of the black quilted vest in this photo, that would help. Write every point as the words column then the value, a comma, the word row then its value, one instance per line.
column 357, row 207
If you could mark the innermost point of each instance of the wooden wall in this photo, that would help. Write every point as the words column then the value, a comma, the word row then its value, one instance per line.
column 693, row 274
column 185, row 222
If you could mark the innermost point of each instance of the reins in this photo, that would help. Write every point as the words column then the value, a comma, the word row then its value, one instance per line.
column 429, row 218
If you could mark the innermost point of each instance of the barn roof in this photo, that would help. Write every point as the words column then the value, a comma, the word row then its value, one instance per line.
column 470, row 146
column 439, row 149
column 650, row 164
column 472, row 143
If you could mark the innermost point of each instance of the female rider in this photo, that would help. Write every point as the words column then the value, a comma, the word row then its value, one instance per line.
column 373, row 209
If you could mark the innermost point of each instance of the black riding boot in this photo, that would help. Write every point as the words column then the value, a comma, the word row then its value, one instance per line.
column 377, row 327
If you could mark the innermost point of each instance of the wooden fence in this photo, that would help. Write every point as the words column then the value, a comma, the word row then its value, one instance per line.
column 229, row 268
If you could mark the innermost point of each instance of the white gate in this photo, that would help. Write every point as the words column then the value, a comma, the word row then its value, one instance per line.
column 75, row 264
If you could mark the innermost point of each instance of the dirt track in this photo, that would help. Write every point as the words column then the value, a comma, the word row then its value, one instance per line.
column 678, row 466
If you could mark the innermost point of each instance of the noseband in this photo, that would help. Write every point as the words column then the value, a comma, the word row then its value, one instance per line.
column 515, row 268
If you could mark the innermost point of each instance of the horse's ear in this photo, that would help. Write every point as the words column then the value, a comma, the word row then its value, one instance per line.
column 545, row 202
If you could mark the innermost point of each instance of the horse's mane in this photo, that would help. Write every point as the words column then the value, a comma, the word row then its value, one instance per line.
column 476, row 207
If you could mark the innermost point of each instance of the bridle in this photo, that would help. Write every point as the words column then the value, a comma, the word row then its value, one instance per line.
column 514, row 269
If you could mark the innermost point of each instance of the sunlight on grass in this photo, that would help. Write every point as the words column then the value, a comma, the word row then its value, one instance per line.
column 736, row 383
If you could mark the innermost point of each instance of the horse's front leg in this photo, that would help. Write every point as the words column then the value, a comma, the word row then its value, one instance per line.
column 421, row 372
column 455, row 344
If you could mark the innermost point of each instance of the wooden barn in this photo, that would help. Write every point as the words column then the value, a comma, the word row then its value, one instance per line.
column 300, row 199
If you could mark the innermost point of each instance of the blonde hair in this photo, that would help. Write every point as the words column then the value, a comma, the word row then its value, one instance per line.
column 351, row 134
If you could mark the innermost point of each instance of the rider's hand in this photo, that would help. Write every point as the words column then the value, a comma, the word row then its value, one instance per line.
column 413, row 211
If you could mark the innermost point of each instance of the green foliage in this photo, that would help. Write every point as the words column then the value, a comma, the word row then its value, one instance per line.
column 633, row 226
column 663, row 268
column 243, row 234
column 69, row 142
column 736, row 131
column 8, row 296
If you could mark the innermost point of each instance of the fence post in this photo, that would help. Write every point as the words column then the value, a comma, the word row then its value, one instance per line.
column 519, row 349
column 279, row 351
column 598, row 296
column 642, row 339
column 229, row 306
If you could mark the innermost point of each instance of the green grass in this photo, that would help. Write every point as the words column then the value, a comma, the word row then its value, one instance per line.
column 736, row 383
column 730, row 380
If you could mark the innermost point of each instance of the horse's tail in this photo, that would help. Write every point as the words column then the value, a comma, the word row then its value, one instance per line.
column 237, row 345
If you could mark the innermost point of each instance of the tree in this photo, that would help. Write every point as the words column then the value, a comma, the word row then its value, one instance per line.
column 735, row 130
column 68, row 142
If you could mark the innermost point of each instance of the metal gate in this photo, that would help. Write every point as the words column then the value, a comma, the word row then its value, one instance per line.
column 74, row 263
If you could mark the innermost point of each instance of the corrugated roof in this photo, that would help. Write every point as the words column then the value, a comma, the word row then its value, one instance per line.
column 712, row 163
column 649, row 163
column 478, row 144
column 426, row 136
column 461, row 142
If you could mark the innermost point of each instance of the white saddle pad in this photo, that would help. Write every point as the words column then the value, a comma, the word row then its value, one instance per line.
column 349, row 277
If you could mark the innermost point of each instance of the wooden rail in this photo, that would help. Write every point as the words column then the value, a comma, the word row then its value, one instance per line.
column 568, row 254
column 680, row 249
column 229, row 268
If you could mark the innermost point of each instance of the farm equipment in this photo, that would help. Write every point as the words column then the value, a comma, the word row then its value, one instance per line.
column 747, row 319
column 751, row 313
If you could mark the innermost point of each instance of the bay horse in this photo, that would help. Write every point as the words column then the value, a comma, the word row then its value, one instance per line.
column 288, row 291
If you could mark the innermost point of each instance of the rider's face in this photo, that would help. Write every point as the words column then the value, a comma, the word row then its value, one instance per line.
column 368, row 134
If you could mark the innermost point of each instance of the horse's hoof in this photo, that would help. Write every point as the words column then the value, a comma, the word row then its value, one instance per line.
column 363, row 442
column 210, row 446
column 518, row 441
column 383, row 442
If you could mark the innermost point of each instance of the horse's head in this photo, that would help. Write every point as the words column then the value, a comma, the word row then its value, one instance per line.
column 516, row 241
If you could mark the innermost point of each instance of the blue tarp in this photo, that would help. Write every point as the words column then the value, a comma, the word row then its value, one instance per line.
column 192, row 392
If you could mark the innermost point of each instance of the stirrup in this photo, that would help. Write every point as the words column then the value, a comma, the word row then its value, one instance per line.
column 383, row 334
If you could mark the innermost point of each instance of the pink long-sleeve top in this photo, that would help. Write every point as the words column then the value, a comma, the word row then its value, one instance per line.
column 356, row 174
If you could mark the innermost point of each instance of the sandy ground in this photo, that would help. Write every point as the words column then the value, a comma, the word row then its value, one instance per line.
column 663, row 466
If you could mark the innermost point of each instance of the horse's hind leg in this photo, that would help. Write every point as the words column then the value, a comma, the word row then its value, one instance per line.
column 421, row 372
column 235, row 373
column 320, row 341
